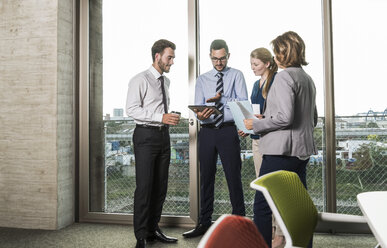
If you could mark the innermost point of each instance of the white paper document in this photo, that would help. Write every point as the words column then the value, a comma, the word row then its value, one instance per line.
column 256, row 109
column 240, row 111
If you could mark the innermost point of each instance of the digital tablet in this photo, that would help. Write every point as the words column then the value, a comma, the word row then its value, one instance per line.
column 200, row 108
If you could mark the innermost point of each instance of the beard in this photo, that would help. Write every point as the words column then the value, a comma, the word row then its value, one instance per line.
column 163, row 66
column 220, row 67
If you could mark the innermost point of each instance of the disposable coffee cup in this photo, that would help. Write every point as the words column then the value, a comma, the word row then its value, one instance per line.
column 176, row 113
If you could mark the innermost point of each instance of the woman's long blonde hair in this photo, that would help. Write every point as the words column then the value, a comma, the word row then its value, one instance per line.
column 265, row 56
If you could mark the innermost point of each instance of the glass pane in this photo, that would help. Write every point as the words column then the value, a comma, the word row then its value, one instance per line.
column 246, row 25
column 120, row 47
column 360, row 99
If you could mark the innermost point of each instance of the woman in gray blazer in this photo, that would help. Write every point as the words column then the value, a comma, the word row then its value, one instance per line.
column 289, row 120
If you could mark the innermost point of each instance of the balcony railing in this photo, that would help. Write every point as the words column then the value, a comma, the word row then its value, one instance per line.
column 361, row 165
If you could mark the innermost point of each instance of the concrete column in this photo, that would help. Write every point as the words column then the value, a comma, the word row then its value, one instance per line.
column 36, row 114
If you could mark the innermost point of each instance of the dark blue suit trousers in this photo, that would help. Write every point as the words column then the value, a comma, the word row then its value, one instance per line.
column 225, row 142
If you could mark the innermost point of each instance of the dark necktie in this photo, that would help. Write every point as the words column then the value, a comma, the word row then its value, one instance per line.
column 219, row 89
column 161, row 78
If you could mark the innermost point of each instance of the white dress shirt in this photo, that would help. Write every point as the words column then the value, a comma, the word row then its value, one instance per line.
column 144, row 101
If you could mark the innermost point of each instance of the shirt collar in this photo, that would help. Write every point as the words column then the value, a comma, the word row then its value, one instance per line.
column 154, row 72
column 224, row 71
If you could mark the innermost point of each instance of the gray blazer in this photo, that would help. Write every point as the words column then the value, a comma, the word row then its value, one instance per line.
column 290, row 115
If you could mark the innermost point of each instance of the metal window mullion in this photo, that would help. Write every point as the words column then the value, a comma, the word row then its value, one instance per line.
column 193, row 71
column 330, row 135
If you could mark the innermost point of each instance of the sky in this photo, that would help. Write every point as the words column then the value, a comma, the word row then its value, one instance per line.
column 131, row 27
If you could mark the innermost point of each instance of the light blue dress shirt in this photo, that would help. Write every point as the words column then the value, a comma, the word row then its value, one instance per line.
column 234, row 89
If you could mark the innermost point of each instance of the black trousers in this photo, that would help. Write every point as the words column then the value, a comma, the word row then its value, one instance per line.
column 225, row 142
column 152, row 151
column 262, row 211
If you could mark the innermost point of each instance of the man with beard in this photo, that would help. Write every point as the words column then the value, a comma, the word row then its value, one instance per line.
column 218, row 134
column 147, row 103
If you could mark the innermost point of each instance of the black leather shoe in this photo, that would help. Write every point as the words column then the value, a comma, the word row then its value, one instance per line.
column 158, row 235
column 141, row 243
column 199, row 230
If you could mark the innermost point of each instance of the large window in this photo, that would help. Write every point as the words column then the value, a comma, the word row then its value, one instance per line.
column 120, row 34
column 121, row 38
column 360, row 99
column 129, row 30
column 245, row 26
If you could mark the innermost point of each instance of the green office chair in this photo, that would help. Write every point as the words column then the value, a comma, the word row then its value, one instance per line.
column 291, row 205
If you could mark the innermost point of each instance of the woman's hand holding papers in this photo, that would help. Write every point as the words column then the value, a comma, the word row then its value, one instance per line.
column 248, row 124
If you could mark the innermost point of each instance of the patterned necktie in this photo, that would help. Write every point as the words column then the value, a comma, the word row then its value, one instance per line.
column 161, row 78
column 219, row 89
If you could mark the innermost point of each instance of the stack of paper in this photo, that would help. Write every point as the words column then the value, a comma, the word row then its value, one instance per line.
column 240, row 111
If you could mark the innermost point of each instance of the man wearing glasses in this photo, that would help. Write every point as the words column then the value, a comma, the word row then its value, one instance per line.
column 218, row 134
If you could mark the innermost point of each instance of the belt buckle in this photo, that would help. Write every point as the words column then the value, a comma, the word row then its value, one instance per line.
column 161, row 128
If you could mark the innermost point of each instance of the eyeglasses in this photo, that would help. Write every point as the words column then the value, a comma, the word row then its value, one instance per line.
column 222, row 59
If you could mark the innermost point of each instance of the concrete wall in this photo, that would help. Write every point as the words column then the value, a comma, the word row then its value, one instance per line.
column 65, row 113
column 36, row 114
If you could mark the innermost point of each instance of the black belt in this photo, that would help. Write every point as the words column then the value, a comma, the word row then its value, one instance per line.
column 159, row 128
column 224, row 124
